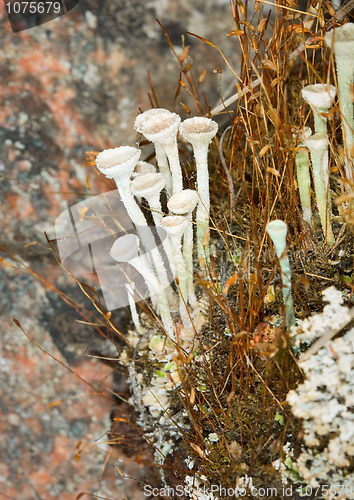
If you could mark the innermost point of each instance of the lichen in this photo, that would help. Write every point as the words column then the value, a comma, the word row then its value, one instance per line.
column 325, row 400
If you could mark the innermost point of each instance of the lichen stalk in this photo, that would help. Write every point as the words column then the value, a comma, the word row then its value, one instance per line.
column 149, row 186
column 200, row 132
column 341, row 40
column 175, row 226
column 303, row 176
column 277, row 230
column 126, row 249
column 318, row 146
column 304, row 183
column 171, row 150
column 188, row 259
column 203, row 209
column 184, row 203
column 162, row 163
column 135, row 317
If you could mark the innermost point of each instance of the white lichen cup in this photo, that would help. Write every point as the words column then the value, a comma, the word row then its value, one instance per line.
column 143, row 167
column 160, row 126
column 119, row 164
column 200, row 131
column 149, row 186
column 320, row 97
column 126, row 249
column 341, row 41
column 318, row 147
column 175, row 227
column 184, row 203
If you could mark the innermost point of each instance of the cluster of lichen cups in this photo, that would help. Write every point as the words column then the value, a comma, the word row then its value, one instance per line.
column 138, row 180
column 320, row 97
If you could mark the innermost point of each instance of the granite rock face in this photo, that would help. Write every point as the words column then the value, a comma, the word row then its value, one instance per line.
column 73, row 85
column 77, row 83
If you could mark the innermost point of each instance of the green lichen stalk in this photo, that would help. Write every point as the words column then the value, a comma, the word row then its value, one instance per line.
column 277, row 230
column 341, row 40
column 304, row 183
column 318, row 146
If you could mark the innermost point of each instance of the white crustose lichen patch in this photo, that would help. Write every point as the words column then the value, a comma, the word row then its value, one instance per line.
column 325, row 400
